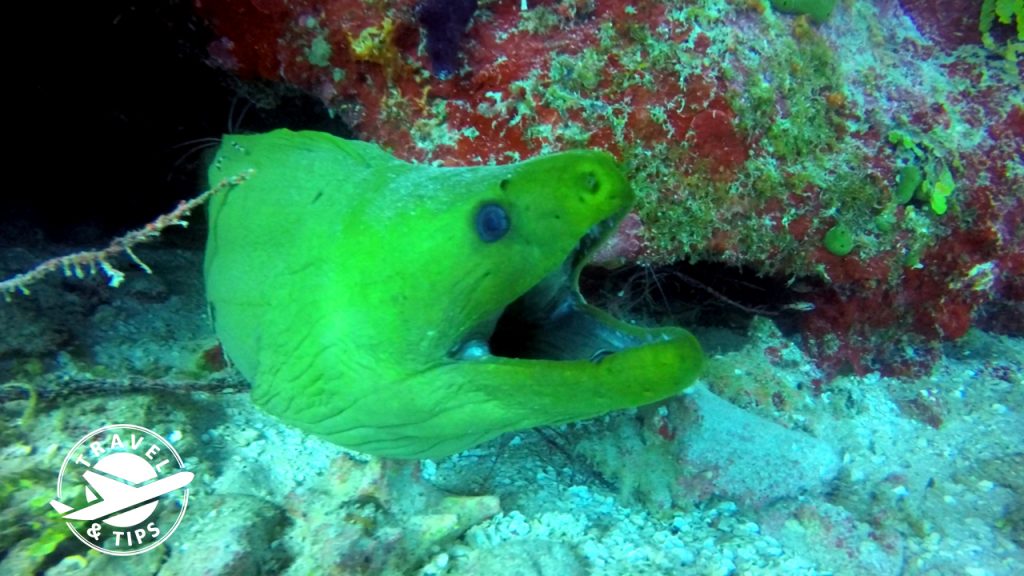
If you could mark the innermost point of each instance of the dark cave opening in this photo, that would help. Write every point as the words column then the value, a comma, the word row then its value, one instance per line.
column 696, row 295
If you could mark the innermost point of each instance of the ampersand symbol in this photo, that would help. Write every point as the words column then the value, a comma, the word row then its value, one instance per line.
column 94, row 531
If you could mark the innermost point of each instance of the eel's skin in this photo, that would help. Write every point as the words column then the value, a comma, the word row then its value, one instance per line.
column 343, row 282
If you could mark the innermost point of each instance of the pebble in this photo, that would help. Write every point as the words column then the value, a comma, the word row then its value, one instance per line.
column 749, row 528
column 428, row 470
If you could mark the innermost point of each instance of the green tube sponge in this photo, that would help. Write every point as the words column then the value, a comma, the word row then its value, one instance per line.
column 839, row 240
column 908, row 180
column 818, row 10
column 939, row 190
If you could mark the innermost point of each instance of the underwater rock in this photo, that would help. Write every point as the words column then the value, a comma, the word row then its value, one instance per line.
column 227, row 535
column 733, row 454
column 375, row 517
column 446, row 521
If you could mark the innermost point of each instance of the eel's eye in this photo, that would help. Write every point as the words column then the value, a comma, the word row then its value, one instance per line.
column 491, row 222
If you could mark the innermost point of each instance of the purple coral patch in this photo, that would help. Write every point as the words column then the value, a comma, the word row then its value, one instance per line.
column 444, row 22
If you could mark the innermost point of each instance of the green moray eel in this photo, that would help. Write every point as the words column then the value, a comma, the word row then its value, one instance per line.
column 413, row 311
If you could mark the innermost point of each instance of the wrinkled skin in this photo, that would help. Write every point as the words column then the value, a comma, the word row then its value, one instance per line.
column 363, row 301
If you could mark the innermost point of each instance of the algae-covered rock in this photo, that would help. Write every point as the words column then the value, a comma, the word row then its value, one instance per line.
column 227, row 535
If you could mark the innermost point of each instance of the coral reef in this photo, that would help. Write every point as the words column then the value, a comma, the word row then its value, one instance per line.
column 748, row 134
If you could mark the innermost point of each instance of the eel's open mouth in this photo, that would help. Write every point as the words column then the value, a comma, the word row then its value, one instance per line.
column 552, row 322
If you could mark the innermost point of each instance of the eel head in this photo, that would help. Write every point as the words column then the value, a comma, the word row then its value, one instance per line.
column 414, row 311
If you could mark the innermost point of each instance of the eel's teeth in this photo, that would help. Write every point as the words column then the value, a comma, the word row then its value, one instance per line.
column 472, row 350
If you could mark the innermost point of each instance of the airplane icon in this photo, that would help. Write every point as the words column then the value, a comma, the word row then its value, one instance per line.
column 119, row 496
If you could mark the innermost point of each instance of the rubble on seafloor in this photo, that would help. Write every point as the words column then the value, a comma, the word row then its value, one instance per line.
column 758, row 470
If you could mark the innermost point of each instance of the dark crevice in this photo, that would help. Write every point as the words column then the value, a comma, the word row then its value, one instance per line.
column 704, row 294
column 119, row 128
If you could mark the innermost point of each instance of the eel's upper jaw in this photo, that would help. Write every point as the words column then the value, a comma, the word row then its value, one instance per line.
column 588, row 245
column 552, row 322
